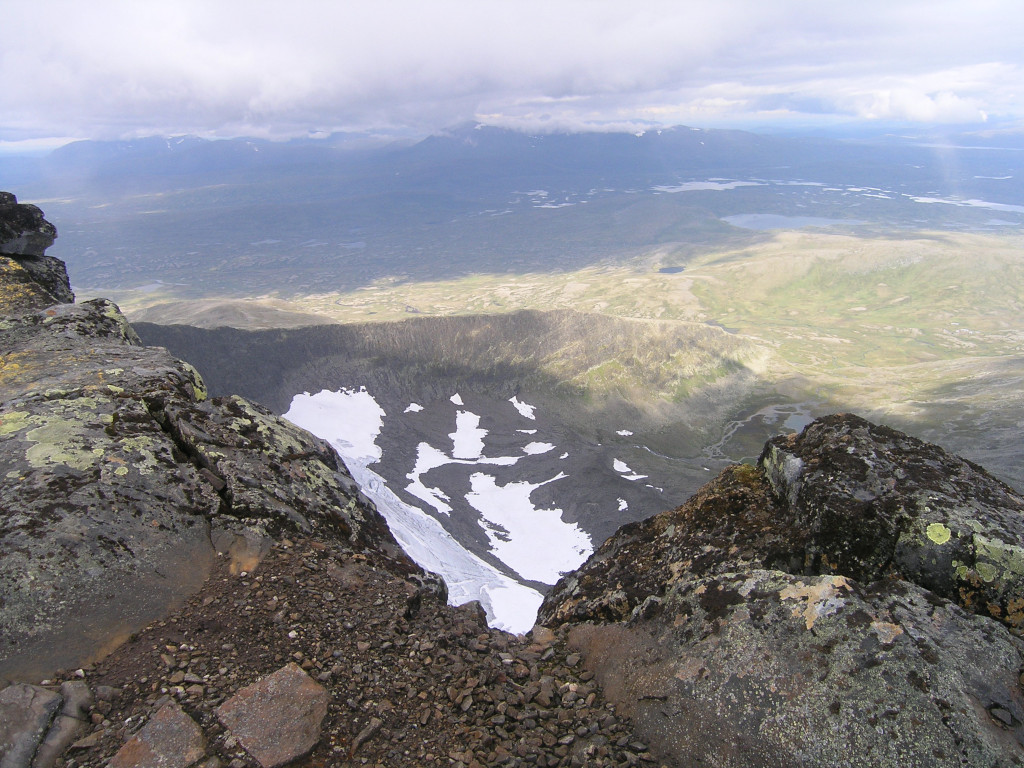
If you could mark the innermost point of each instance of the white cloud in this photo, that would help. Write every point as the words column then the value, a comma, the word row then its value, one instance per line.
column 117, row 67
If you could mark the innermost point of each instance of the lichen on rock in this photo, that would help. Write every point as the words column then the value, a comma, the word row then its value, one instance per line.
column 855, row 599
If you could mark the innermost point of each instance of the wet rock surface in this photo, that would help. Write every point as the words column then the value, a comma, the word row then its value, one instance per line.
column 802, row 612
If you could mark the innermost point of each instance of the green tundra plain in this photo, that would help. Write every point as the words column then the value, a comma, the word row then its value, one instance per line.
column 921, row 330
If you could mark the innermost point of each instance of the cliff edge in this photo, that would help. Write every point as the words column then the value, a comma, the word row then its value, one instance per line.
column 201, row 583
column 190, row 581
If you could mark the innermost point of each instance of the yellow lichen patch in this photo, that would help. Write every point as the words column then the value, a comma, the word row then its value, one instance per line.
column 18, row 291
column 938, row 533
column 887, row 633
column 198, row 385
column 817, row 600
column 10, row 368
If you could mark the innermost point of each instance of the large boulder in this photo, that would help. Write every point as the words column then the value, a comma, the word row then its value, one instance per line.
column 875, row 502
column 804, row 611
column 24, row 237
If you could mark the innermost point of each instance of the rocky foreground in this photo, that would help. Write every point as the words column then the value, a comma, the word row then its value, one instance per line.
column 193, row 582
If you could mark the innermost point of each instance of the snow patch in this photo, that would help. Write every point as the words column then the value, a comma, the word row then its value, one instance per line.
column 457, row 399
column 413, row 408
column 624, row 432
column 428, row 457
column 623, row 469
column 523, row 408
column 468, row 438
column 970, row 204
column 536, row 543
column 351, row 421
column 533, row 449
column 704, row 186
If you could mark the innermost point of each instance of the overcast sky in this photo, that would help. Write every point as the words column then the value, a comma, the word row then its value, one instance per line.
column 105, row 69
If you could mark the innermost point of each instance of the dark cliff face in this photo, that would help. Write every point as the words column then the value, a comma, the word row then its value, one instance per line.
column 120, row 482
column 855, row 598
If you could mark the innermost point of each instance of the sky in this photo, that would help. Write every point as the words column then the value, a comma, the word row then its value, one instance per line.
column 108, row 69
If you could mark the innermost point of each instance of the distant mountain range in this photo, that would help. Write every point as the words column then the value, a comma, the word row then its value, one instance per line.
column 251, row 217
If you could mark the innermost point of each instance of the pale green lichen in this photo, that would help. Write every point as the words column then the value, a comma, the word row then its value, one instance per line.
column 66, row 435
column 144, row 446
column 13, row 421
column 938, row 533
column 59, row 442
column 1006, row 559
column 987, row 572
column 198, row 385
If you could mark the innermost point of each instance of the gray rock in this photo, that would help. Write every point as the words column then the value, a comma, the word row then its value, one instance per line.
column 278, row 718
column 781, row 617
column 26, row 712
column 19, row 290
column 23, row 230
column 30, row 278
column 769, row 669
column 106, row 525
column 67, row 725
column 877, row 502
column 171, row 739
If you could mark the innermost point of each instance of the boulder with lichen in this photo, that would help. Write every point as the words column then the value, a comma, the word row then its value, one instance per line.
column 837, row 604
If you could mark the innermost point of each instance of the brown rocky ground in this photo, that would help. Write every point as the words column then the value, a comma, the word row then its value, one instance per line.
column 425, row 684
